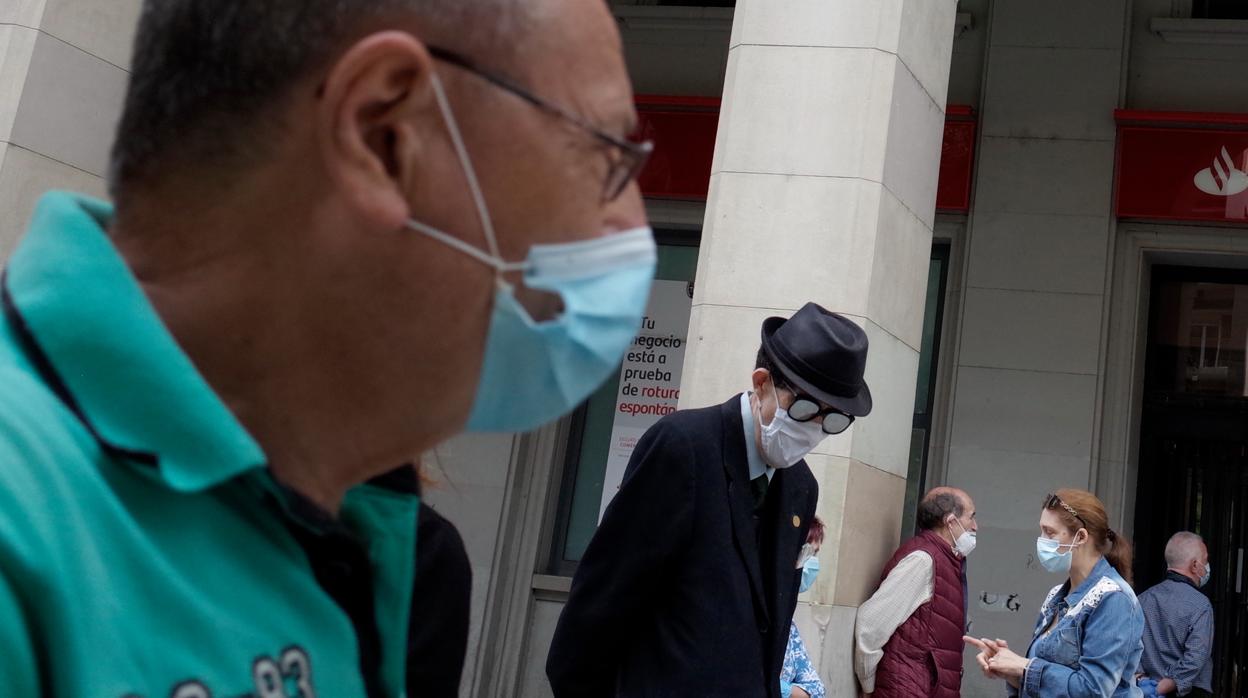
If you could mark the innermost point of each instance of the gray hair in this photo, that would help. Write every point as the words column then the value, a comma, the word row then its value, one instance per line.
column 206, row 74
column 1183, row 547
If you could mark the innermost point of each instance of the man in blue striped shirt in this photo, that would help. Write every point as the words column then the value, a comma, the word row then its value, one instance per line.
column 1178, row 622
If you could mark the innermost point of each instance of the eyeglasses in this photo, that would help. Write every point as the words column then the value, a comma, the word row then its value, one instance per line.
column 628, row 157
column 806, row 408
column 1053, row 502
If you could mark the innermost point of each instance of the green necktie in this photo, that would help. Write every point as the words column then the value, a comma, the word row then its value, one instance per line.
column 759, row 487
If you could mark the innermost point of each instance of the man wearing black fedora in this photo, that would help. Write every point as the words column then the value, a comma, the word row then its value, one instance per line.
column 689, row 584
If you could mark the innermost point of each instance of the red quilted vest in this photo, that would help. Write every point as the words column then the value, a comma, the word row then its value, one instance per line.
column 923, row 659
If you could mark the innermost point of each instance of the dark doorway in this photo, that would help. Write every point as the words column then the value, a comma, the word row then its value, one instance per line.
column 925, row 385
column 1194, row 445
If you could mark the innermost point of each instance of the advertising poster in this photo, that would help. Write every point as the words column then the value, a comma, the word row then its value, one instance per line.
column 649, row 377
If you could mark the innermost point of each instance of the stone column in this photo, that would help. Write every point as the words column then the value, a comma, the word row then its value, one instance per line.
column 62, row 80
column 823, row 188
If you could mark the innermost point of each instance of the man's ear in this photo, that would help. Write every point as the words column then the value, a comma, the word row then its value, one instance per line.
column 759, row 378
column 369, row 120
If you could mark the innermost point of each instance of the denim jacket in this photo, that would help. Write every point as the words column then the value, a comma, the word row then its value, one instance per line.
column 1093, row 651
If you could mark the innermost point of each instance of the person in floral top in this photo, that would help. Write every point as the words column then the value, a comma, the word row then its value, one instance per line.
column 799, row 678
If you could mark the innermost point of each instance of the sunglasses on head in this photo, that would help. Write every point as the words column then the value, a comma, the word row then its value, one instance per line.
column 1053, row 501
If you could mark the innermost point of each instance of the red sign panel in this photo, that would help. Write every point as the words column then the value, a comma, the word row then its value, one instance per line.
column 683, row 130
column 957, row 159
column 1182, row 166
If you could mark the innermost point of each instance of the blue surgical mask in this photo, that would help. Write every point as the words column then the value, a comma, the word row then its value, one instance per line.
column 1049, row 557
column 810, row 570
column 535, row 372
column 1208, row 573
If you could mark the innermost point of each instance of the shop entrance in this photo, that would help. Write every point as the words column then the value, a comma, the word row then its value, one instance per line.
column 1193, row 472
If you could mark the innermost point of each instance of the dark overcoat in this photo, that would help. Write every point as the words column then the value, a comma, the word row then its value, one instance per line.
column 687, row 588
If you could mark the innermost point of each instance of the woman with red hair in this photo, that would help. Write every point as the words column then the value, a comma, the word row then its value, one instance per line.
column 1088, row 638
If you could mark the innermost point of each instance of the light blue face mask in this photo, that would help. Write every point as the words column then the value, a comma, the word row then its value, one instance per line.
column 1050, row 559
column 535, row 372
column 1208, row 573
column 810, row 570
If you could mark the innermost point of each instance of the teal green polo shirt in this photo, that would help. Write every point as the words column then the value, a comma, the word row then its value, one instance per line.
column 145, row 549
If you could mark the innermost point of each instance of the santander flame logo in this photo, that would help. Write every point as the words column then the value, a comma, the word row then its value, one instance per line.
column 1222, row 178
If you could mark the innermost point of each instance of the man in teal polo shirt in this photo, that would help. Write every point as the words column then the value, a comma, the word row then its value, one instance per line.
column 344, row 230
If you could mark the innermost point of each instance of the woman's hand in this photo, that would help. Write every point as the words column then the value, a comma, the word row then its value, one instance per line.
column 998, row 661
column 1008, row 665
column 987, row 650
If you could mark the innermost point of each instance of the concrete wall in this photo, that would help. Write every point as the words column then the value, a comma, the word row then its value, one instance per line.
column 62, row 76
column 1172, row 74
column 967, row 66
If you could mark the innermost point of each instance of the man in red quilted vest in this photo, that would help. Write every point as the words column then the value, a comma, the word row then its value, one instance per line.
column 908, row 638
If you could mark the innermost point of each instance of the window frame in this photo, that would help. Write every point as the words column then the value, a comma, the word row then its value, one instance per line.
column 1200, row 9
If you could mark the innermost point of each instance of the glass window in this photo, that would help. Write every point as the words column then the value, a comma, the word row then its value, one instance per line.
column 1200, row 333
column 650, row 389
column 920, row 435
column 1220, row 9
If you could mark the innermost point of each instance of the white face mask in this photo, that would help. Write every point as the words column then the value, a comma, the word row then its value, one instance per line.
column 965, row 544
column 785, row 441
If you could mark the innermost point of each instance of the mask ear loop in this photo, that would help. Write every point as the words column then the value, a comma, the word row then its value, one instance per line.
column 499, row 266
column 775, row 393
column 1072, row 544
column 494, row 259
column 807, row 552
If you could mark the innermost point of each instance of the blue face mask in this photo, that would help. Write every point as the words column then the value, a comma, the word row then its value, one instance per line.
column 810, row 570
column 535, row 372
column 1049, row 557
column 1208, row 573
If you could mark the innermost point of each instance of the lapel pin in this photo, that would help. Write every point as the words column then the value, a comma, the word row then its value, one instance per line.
column 797, row 521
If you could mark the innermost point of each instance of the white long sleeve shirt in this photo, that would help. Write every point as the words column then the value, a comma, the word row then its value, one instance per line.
column 907, row 587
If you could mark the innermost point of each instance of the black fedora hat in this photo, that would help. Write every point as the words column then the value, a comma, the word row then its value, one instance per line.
column 822, row 353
